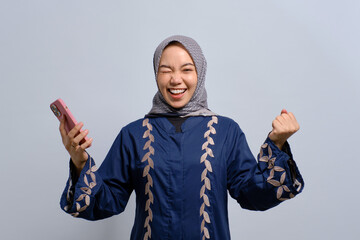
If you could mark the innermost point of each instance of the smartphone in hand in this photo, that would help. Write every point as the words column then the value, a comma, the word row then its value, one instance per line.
column 60, row 110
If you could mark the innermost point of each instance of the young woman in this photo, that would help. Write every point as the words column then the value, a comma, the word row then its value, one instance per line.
column 181, row 159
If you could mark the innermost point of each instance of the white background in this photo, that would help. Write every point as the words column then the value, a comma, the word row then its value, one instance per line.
column 262, row 56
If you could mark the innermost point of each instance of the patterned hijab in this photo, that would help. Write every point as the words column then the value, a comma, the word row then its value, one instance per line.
column 197, row 106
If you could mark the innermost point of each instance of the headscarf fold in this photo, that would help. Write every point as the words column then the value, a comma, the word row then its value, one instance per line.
column 197, row 106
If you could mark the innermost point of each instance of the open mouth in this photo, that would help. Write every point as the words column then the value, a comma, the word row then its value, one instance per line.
column 177, row 91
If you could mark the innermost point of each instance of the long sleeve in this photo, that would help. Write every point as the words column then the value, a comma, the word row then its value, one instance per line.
column 101, row 193
column 264, row 184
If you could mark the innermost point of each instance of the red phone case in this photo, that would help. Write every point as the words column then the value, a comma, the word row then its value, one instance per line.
column 60, row 110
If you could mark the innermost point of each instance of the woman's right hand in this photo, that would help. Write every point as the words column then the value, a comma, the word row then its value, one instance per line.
column 74, row 144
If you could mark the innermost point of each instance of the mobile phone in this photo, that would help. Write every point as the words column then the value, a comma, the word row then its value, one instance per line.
column 60, row 110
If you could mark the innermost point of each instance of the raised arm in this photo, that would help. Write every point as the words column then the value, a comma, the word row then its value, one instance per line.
column 262, row 184
column 76, row 144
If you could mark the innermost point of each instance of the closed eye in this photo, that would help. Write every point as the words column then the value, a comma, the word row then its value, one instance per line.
column 164, row 69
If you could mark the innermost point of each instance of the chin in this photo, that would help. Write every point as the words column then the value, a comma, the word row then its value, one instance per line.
column 177, row 106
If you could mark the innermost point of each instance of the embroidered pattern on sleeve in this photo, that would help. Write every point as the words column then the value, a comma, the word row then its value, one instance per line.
column 83, row 201
column 149, row 184
column 69, row 195
column 204, row 178
column 282, row 189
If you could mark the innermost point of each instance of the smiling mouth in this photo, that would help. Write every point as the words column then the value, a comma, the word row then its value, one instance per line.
column 176, row 91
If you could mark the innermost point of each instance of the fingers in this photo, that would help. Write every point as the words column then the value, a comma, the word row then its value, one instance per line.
column 75, row 137
column 285, row 123
column 86, row 144
column 80, row 137
column 73, row 132
column 296, row 124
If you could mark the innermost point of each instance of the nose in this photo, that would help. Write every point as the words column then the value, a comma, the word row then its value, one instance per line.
column 176, row 78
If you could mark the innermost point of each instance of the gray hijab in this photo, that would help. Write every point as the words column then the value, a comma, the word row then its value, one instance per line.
column 197, row 106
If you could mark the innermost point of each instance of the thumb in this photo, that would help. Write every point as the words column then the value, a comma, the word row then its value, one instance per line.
column 284, row 111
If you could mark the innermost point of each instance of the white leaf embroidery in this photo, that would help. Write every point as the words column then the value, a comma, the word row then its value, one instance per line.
column 286, row 188
column 149, row 178
column 150, row 214
column 269, row 151
column 212, row 130
column 77, row 207
column 147, row 145
column 146, row 236
column 151, row 137
column 146, row 221
column 151, row 163
column 203, row 157
column 206, row 217
column 147, row 205
column 271, row 174
column 86, row 181
column 274, row 182
column 86, row 190
column 207, row 133
column 204, row 146
column 75, row 214
column 147, row 188
column 208, row 165
column 81, row 197
column 215, row 119
column 94, row 168
column 203, row 174
column 151, row 197
column 282, row 178
column 211, row 141
column 93, row 178
column 146, row 133
column 202, row 225
column 146, row 170
column 202, row 208
column 279, row 192
column 207, row 183
column 206, row 233
column 278, row 169
column 206, row 200
column 87, row 200
column 151, row 150
column 202, row 191
column 146, row 156
column 264, row 159
column 210, row 152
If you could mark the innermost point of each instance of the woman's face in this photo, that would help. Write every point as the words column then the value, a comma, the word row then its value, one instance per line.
column 177, row 77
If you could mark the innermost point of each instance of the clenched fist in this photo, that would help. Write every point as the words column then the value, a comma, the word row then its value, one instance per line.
column 283, row 126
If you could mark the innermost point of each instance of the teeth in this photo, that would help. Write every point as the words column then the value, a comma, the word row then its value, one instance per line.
column 177, row 91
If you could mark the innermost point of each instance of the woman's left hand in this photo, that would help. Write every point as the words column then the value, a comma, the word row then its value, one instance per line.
column 283, row 126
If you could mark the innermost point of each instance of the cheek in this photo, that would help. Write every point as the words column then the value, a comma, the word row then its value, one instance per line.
column 193, row 82
column 161, row 83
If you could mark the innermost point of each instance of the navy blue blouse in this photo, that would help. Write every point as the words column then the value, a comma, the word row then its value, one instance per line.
column 181, row 179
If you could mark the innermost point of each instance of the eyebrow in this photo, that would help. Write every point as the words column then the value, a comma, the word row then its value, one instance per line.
column 187, row 64
column 167, row 66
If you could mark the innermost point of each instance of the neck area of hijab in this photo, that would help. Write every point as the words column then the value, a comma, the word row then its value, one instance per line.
column 197, row 106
